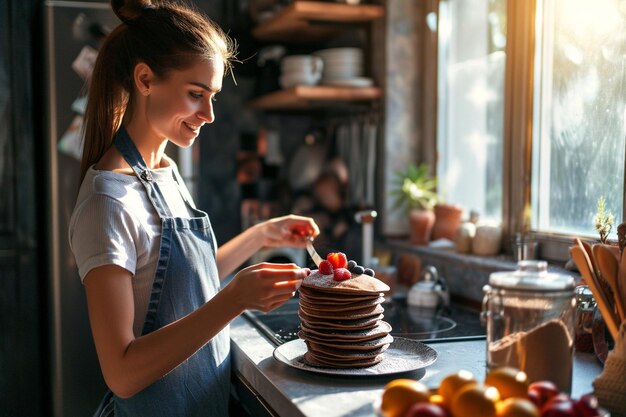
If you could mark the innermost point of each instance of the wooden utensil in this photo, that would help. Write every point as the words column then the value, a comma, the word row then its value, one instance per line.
column 621, row 282
column 609, row 271
column 582, row 261
column 589, row 251
column 614, row 249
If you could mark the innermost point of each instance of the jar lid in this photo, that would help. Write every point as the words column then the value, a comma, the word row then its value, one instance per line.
column 531, row 276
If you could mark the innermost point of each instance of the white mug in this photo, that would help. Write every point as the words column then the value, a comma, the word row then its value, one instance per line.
column 303, row 66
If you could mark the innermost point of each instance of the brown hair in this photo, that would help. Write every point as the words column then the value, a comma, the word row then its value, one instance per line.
column 163, row 34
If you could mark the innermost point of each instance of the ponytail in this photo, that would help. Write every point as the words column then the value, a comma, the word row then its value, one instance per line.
column 106, row 104
column 164, row 35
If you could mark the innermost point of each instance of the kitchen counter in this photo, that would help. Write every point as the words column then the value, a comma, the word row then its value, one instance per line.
column 283, row 391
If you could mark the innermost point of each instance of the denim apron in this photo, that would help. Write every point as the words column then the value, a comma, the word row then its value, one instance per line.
column 186, row 278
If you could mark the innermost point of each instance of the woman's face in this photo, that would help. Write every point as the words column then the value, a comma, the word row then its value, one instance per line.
column 179, row 105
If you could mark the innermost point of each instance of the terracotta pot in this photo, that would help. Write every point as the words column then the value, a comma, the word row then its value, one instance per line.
column 447, row 221
column 422, row 222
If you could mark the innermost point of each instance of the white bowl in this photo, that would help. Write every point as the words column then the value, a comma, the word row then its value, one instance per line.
column 348, row 71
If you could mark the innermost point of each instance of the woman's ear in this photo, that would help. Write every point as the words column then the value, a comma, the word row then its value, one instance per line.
column 143, row 78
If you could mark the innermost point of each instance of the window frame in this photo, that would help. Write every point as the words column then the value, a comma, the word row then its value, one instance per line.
column 518, row 121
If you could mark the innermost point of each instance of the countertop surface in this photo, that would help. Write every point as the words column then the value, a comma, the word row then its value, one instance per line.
column 293, row 392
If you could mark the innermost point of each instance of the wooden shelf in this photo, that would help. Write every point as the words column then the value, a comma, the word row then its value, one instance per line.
column 309, row 21
column 308, row 97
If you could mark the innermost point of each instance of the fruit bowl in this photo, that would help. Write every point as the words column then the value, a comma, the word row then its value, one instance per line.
column 506, row 392
column 379, row 412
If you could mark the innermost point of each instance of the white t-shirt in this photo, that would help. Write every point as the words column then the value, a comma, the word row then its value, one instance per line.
column 114, row 222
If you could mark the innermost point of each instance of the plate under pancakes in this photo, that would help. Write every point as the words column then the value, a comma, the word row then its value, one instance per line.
column 341, row 321
column 402, row 356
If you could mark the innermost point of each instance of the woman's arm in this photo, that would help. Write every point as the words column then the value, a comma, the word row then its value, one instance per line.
column 131, row 364
column 235, row 252
column 282, row 231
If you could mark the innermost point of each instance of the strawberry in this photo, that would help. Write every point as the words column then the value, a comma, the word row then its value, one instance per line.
column 326, row 268
column 341, row 274
column 338, row 259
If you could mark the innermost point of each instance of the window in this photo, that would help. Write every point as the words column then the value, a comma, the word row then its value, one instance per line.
column 579, row 129
column 471, row 73
column 531, row 109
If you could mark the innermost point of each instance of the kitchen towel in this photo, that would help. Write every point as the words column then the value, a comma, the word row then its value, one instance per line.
column 610, row 385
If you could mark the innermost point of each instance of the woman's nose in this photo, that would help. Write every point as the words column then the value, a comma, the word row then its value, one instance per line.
column 206, row 112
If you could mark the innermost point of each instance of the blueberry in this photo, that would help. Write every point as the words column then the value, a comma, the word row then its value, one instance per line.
column 369, row 271
column 358, row 270
column 351, row 265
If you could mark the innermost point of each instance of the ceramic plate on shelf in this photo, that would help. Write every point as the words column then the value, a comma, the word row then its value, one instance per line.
column 403, row 355
column 348, row 82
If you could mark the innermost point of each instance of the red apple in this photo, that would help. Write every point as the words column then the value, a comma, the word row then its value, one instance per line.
column 587, row 406
column 425, row 410
column 559, row 406
column 559, row 398
column 540, row 392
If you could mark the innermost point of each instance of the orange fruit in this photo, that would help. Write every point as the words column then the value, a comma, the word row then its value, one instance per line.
column 402, row 393
column 451, row 384
column 510, row 382
column 475, row 400
column 436, row 399
column 516, row 407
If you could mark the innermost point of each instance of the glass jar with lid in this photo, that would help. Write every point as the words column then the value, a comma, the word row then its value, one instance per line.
column 529, row 314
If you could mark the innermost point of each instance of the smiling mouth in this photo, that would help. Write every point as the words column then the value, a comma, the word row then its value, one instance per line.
column 195, row 128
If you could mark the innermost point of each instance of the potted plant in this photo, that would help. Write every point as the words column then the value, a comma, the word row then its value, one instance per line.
column 414, row 191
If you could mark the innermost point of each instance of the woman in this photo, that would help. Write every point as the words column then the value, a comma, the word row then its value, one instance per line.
column 147, row 257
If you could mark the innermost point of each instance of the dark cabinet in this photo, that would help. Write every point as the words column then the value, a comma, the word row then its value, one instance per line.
column 23, row 375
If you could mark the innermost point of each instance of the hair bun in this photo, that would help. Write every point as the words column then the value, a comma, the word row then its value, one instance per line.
column 129, row 10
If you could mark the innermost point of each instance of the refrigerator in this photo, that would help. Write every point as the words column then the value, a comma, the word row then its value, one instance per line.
column 73, row 34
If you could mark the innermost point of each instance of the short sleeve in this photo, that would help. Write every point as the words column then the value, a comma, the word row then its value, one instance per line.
column 104, row 232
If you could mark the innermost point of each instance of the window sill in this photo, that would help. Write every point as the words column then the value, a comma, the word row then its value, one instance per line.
column 465, row 274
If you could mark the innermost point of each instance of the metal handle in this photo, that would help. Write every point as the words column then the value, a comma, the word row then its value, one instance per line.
column 366, row 218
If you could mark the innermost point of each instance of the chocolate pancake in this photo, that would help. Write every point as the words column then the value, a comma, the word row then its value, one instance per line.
column 341, row 321
column 313, row 360
column 314, row 305
column 311, row 295
column 361, row 313
column 343, row 344
column 340, row 325
column 382, row 329
column 359, row 284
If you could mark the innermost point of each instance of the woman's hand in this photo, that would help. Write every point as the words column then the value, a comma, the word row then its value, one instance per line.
column 288, row 230
column 266, row 286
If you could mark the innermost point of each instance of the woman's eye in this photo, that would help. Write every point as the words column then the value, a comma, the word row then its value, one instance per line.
column 195, row 95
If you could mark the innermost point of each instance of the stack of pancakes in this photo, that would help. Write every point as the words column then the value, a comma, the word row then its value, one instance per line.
column 342, row 321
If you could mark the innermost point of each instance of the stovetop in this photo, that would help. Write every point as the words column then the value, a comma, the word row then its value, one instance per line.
column 427, row 325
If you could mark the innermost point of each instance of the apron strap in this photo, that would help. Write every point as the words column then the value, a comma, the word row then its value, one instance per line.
column 183, row 190
column 129, row 151
column 106, row 407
